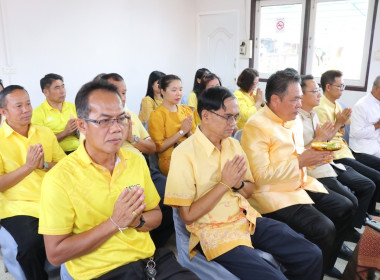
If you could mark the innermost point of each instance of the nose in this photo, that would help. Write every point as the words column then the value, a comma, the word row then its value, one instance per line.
column 115, row 126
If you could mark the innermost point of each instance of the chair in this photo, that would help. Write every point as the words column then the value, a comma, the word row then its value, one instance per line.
column 238, row 135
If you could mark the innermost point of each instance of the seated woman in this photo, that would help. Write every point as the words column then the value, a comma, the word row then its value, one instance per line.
column 152, row 98
column 170, row 123
column 192, row 101
column 249, row 100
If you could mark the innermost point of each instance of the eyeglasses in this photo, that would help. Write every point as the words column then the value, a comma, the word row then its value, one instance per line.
column 316, row 91
column 229, row 118
column 341, row 87
column 107, row 123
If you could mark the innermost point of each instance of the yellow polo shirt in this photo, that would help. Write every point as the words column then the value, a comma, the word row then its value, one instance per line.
column 196, row 168
column 56, row 120
column 137, row 129
column 24, row 197
column 246, row 106
column 192, row 101
column 272, row 147
column 147, row 106
column 78, row 194
column 327, row 111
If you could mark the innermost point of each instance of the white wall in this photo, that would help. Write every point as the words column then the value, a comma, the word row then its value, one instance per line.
column 80, row 39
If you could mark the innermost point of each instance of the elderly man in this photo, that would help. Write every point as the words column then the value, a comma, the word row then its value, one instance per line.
column 330, row 110
column 138, row 140
column 333, row 175
column 27, row 152
column 209, row 180
column 99, row 204
column 365, row 122
column 274, row 146
column 56, row 113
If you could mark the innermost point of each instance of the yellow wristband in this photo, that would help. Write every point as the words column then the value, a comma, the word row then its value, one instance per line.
column 224, row 184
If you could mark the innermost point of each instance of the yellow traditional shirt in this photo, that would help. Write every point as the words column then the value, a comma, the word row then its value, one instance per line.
column 272, row 147
column 246, row 106
column 327, row 111
column 162, row 125
column 24, row 197
column 56, row 120
column 137, row 129
column 192, row 101
column 78, row 194
column 196, row 169
column 148, row 105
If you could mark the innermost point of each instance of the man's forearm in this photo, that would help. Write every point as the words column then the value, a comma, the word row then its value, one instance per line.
column 10, row 179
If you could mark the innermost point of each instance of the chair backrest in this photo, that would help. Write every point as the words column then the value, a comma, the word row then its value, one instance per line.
column 238, row 135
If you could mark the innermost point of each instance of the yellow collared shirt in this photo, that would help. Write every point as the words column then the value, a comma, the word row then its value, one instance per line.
column 148, row 105
column 246, row 106
column 137, row 129
column 78, row 194
column 327, row 111
column 24, row 197
column 272, row 147
column 192, row 101
column 196, row 168
column 56, row 120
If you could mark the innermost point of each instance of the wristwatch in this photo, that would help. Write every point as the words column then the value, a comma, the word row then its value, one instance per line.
column 181, row 132
column 239, row 188
column 46, row 165
column 136, row 139
column 142, row 222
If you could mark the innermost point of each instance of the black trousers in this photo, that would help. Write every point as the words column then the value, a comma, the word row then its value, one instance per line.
column 324, row 223
column 368, row 166
column 363, row 187
column 167, row 268
column 31, row 249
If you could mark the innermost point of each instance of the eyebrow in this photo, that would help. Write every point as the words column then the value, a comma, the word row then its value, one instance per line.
column 109, row 116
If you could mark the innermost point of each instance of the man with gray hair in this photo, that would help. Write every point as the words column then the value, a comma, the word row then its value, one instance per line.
column 365, row 122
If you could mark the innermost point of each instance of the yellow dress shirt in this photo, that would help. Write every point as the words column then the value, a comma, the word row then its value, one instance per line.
column 327, row 111
column 24, row 197
column 272, row 147
column 148, row 105
column 196, row 168
column 137, row 129
column 192, row 101
column 162, row 125
column 246, row 106
column 56, row 120
column 78, row 194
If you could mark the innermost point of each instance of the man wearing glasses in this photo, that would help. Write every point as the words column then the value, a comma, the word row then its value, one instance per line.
column 330, row 110
column 99, row 204
column 333, row 175
column 210, row 181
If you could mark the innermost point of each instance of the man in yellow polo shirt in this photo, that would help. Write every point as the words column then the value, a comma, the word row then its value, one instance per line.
column 27, row 152
column 273, row 142
column 56, row 113
column 99, row 204
column 138, row 140
column 330, row 110
column 209, row 180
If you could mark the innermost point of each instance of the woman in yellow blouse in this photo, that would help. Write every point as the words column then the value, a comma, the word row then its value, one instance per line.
column 192, row 100
column 170, row 123
column 249, row 100
column 152, row 98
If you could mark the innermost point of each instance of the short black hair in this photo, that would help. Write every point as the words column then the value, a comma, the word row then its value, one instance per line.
column 46, row 81
column 213, row 99
column 247, row 78
column 8, row 90
column 279, row 82
column 329, row 77
column 81, row 99
column 305, row 78
column 112, row 76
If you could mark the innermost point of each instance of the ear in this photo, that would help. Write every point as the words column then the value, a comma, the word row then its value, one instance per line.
column 275, row 100
column 162, row 92
column 81, row 125
column 205, row 116
column 45, row 91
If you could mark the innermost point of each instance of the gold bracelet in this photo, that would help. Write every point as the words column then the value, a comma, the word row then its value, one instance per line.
column 224, row 184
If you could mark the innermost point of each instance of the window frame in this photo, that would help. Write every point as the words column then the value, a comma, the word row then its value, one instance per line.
column 305, row 63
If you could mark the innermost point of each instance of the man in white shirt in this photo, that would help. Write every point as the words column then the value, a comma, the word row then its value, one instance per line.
column 365, row 122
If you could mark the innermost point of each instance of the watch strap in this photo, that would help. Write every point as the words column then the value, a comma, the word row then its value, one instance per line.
column 239, row 188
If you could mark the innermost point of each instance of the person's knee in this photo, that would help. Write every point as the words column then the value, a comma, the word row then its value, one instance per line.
column 326, row 231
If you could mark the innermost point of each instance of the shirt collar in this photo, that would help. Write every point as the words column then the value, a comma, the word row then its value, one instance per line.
column 205, row 143
column 48, row 107
column 373, row 99
column 305, row 114
column 9, row 130
column 272, row 116
column 326, row 102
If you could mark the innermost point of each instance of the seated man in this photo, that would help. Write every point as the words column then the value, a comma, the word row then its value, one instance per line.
column 27, row 152
column 365, row 122
column 333, row 175
column 274, row 146
column 99, row 204
column 138, row 140
column 209, row 180
column 330, row 110
column 56, row 113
